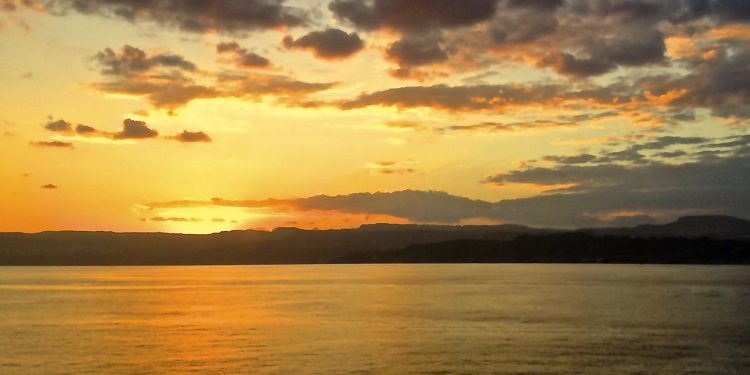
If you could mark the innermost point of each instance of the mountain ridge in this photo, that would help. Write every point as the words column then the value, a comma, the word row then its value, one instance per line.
column 300, row 246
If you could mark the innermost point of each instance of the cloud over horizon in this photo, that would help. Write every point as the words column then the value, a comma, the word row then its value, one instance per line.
column 604, row 196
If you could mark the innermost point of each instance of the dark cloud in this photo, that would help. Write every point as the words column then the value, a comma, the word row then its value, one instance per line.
column 684, row 116
column 416, row 206
column 161, row 94
column 49, row 186
column 569, row 65
column 537, row 4
column 723, row 86
column 565, row 174
column 7, row 6
column 133, row 74
column 607, row 191
column 53, row 144
column 522, row 28
column 410, row 52
column 735, row 10
column 513, row 126
column 675, row 11
column 83, row 129
column 135, row 130
column 218, row 220
column 328, row 44
column 193, row 16
column 630, row 10
column 189, row 137
column 670, row 177
column 479, row 78
column 131, row 61
column 670, row 155
column 630, row 155
column 664, row 142
column 580, row 159
column 456, row 98
column 413, row 15
column 256, row 85
column 60, row 126
column 160, row 78
column 716, row 186
column 710, row 155
column 253, row 60
column 633, row 153
column 638, row 48
column 589, row 116
column 242, row 57
column 726, row 10
column 228, row 47
column 734, row 141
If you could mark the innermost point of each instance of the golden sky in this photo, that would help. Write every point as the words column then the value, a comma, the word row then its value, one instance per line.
column 198, row 117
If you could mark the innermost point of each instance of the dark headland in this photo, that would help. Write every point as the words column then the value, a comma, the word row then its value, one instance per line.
column 689, row 240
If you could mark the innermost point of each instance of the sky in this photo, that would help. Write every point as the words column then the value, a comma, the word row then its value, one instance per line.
column 205, row 116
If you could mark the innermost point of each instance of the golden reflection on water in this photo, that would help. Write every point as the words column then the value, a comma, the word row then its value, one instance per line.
column 377, row 319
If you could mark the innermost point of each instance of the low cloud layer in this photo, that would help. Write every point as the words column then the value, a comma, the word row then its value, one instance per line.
column 131, row 61
column 584, row 190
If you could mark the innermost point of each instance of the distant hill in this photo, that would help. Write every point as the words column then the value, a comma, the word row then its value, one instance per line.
column 575, row 247
column 297, row 246
column 282, row 246
column 722, row 227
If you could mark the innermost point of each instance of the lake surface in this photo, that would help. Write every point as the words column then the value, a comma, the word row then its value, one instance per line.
column 376, row 319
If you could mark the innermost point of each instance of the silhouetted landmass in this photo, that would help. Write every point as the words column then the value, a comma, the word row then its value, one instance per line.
column 723, row 227
column 567, row 248
column 282, row 246
column 709, row 240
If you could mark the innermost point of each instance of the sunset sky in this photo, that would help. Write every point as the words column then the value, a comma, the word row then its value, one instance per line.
column 204, row 116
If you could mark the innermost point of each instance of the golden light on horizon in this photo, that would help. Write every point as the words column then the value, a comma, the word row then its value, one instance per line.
column 482, row 110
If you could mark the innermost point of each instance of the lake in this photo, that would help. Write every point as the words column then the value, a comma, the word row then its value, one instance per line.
column 376, row 319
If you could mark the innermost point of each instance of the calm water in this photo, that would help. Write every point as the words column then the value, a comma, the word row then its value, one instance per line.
column 376, row 319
